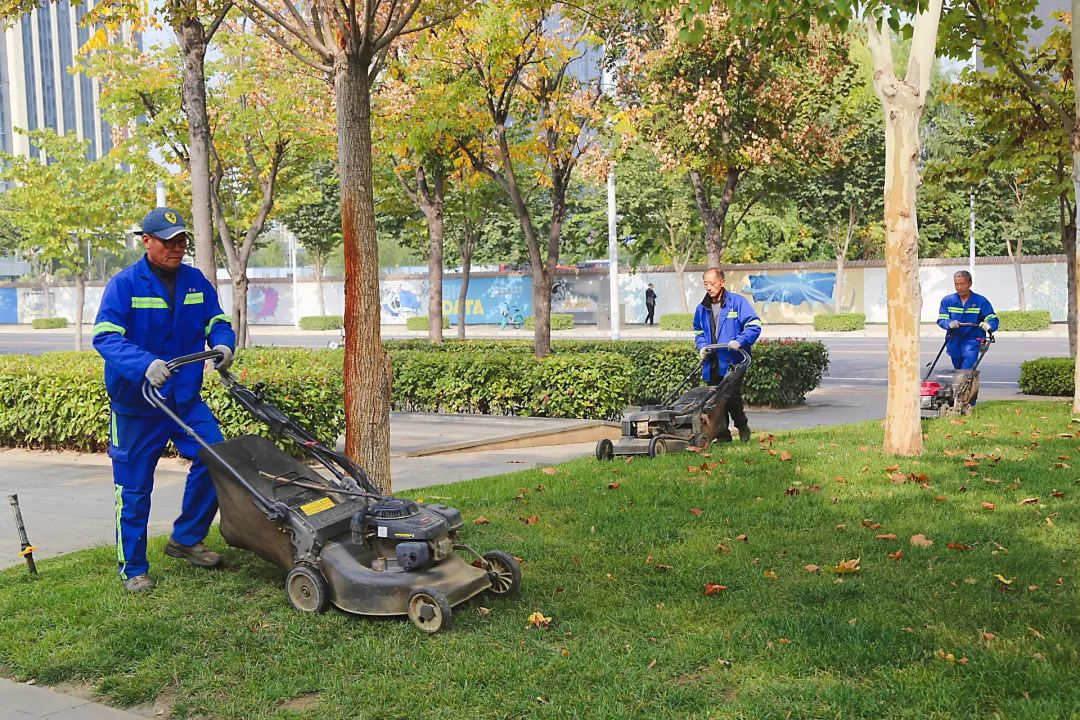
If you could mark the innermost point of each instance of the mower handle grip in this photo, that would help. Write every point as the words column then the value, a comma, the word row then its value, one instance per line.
column 194, row 358
column 712, row 348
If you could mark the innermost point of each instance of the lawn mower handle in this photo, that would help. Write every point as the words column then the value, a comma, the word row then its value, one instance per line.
column 983, row 342
column 696, row 371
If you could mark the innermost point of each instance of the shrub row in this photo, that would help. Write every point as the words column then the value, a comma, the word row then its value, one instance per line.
column 421, row 323
column 322, row 322
column 49, row 323
column 58, row 400
column 677, row 321
column 559, row 321
column 839, row 322
column 1023, row 319
column 1048, row 376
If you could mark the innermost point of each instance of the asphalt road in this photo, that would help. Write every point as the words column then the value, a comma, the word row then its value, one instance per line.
column 852, row 360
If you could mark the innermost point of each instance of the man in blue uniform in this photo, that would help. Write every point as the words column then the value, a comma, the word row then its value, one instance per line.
column 964, row 306
column 156, row 310
column 725, row 318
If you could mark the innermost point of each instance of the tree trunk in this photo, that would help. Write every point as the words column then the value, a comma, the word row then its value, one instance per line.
column 80, row 301
column 903, row 102
column 714, row 218
column 841, row 258
column 430, row 198
column 1018, row 270
column 367, row 373
column 1067, row 226
column 541, row 292
column 680, row 278
column 1074, row 302
column 192, row 39
column 240, row 285
column 46, row 287
column 319, row 284
column 463, row 293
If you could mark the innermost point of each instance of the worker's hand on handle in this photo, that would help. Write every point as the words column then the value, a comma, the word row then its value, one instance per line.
column 226, row 357
column 985, row 326
column 158, row 372
column 953, row 324
column 733, row 345
column 703, row 353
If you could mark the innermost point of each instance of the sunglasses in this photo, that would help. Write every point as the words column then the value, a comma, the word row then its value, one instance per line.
column 174, row 242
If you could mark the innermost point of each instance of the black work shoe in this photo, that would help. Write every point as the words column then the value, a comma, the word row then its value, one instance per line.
column 197, row 554
column 723, row 438
column 138, row 584
column 744, row 434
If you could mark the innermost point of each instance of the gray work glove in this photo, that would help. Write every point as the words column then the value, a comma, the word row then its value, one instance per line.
column 733, row 345
column 226, row 357
column 953, row 324
column 985, row 326
column 157, row 372
column 702, row 353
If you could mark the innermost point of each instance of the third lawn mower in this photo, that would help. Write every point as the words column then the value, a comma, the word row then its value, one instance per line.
column 953, row 393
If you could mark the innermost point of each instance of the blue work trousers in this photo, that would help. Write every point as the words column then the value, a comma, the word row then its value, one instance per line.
column 964, row 356
column 135, row 444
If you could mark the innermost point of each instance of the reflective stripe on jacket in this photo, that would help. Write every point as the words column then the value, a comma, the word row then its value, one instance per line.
column 738, row 321
column 136, row 325
column 977, row 309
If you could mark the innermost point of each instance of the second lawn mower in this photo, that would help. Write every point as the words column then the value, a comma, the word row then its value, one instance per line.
column 679, row 421
column 342, row 542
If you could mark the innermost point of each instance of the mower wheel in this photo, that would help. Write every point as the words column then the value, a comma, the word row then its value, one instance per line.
column 429, row 610
column 605, row 449
column 504, row 571
column 657, row 447
column 699, row 441
column 306, row 588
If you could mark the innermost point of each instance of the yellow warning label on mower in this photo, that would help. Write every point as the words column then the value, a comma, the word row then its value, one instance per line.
column 317, row 506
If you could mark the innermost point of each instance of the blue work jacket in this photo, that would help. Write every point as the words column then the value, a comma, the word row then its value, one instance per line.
column 738, row 321
column 977, row 309
column 136, row 324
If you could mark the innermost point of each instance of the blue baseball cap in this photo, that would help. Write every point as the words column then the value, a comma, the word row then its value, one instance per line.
column 164, row 223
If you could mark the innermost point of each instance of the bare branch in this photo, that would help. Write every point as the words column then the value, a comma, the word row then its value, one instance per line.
column 218, row 20
column 300, row 32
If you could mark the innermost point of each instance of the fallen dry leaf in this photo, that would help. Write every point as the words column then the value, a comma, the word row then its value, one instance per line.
column 870, row 524
column 792, row 491
column 538, row 620
column 897, row 556
column 1057, row 494
column 771, row 575
column 784, row 641
column 989, row 636
column 785, row 456
column 742, row 538
column 1032, row 588
column 696, row 512
column 483, row 610
column 1003, row 580
column 713, row 588
column 921, row 540
column 531, row 520
column 892, row 468
column 940, row 498
column 1036, row 634
column 1029, row 501
column 613, row 485
column 481, row 521
column 989, row 506
column 565, row 652
column 549, row 470
column 841, row 526
column 811, row 568
column 847, row 567
column 662, row 568
column 971, row 463
column 885, row 536
column 962, row 547
column 651, row 665
column 721, row 547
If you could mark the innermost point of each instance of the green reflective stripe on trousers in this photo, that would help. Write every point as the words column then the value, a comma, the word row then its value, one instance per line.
column 113, row 434
column 149, row 302
column 103, row 327
column 193, row 298
column 119, row 495
column 216, row 319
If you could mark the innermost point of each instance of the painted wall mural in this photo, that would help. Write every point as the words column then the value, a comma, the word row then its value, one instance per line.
column 487, row 299
column 800, row 288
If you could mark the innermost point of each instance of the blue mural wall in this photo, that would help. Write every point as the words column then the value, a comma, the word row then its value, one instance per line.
column 793, row 288
column 487, row 298
column 9, row 306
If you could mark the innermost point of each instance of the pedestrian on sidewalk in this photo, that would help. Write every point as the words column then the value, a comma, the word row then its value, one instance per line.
column 963, row 306
column 151, row 312
column 650, row 304
column 724, row 318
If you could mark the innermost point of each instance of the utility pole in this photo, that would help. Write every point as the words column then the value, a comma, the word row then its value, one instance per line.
column 613, row 252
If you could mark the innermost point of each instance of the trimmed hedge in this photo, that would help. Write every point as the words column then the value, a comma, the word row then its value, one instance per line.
column 421, row 323
column 58, row 400
column 839, row 322
column 677, row 321
column 322, row 322
column 559, row 321
column 1023, row 319
column 1048, row 376
column 52, row 323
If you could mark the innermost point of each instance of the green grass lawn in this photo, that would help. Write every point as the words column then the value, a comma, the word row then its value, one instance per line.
column 619, row 559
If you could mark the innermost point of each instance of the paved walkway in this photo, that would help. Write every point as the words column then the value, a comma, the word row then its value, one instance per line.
column 19, row 701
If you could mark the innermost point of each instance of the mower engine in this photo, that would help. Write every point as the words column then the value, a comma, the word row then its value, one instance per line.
column 948, row 395
column 408, row 536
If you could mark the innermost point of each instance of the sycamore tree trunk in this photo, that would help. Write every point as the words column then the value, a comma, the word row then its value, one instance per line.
column 903, row 102
column 80, row 302
column 430, row 197
column 1074, row 303
column 192, row 39
column 463, row 293
column 841, row 258
column 1018, row 269
column 240, row 285
column 367, row 373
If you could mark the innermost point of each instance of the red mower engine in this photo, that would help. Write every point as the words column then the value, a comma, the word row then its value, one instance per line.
column 933, row 397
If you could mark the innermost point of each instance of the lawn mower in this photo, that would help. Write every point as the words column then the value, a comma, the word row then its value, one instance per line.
column 952, row 394
column 680, row 420
column 341, row 541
